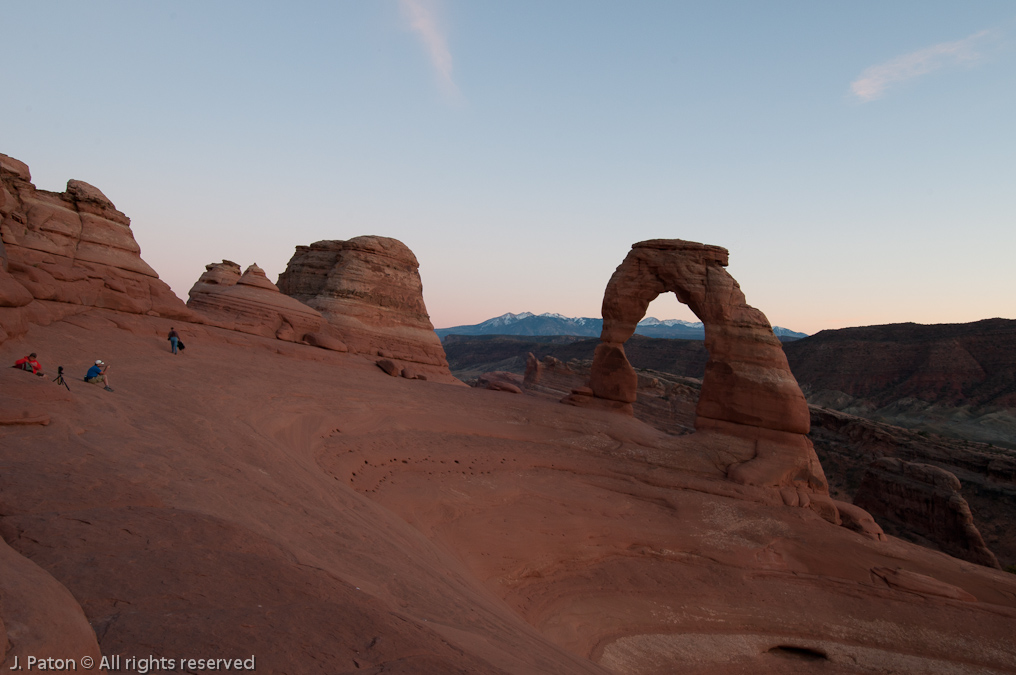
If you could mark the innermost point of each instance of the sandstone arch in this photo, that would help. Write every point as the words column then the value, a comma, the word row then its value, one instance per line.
column 748, row 391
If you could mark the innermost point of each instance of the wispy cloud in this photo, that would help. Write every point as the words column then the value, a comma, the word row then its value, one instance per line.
column 874, row 81
column 424, row 20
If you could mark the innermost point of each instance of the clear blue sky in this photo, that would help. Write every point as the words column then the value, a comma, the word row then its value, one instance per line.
column 857, row 158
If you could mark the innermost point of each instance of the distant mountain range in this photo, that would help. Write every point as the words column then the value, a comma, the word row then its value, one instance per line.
column 528, row 323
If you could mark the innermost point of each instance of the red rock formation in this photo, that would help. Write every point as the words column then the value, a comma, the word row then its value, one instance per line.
column 748, row 390
column 534, row 371
column 67, row 252
column 369, row 290
column 250, row 303
column 857, row 519
column 926, row 499
column 747, row 380
column 389, row 367
column 500, row 380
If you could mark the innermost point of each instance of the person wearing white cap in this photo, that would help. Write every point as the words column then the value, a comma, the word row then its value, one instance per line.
column 97, row 375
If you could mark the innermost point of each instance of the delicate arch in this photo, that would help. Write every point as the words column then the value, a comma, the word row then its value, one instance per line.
column 747, row 379
column 748, row 390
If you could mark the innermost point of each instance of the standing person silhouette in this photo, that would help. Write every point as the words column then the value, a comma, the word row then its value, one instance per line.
column 174, row 339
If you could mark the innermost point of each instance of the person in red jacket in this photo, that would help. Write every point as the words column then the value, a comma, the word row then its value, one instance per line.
column 30, row 363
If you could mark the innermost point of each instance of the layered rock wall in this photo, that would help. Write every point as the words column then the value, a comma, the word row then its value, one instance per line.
column 63, row 252
column 250, row 303
column 369, row 291
column 926, row 499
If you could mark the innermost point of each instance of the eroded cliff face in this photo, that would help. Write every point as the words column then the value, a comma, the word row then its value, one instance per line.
column 369, row 291
column 847, row 445
column 66, row 252
column 925, row 499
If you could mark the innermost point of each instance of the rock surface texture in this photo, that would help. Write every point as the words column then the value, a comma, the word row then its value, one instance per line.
column 38, row 616
column 250, row 303
column 411, row 527
column 748, row 391
column 925, row 498
column 369, row 291
column 66, row 252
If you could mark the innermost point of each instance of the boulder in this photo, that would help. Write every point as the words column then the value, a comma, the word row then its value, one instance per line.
column 369, row 291
column 389, row 367
column 500, row 380
column 250, row 303
column 325, row 341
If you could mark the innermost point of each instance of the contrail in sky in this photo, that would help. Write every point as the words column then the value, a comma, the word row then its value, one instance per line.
column 422, row 16
column 874, row 81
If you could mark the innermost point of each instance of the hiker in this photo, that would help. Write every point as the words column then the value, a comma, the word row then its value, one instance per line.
column 174, row 339
column 31, row 364
column 97, row 375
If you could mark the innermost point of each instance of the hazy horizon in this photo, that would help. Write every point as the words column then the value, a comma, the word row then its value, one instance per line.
column 855, row 160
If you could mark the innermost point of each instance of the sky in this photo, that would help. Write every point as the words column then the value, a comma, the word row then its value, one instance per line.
column 857, row 159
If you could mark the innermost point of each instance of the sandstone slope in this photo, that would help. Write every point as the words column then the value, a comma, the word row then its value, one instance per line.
column 258, row 497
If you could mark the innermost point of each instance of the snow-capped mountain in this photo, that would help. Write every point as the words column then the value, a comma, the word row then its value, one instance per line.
column 653, row 321
column 527, row 323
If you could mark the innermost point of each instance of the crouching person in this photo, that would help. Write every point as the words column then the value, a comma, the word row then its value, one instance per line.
column 97, row 375
column 31, row 364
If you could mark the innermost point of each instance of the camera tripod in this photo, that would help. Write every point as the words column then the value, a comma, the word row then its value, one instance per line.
column 59, row 379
